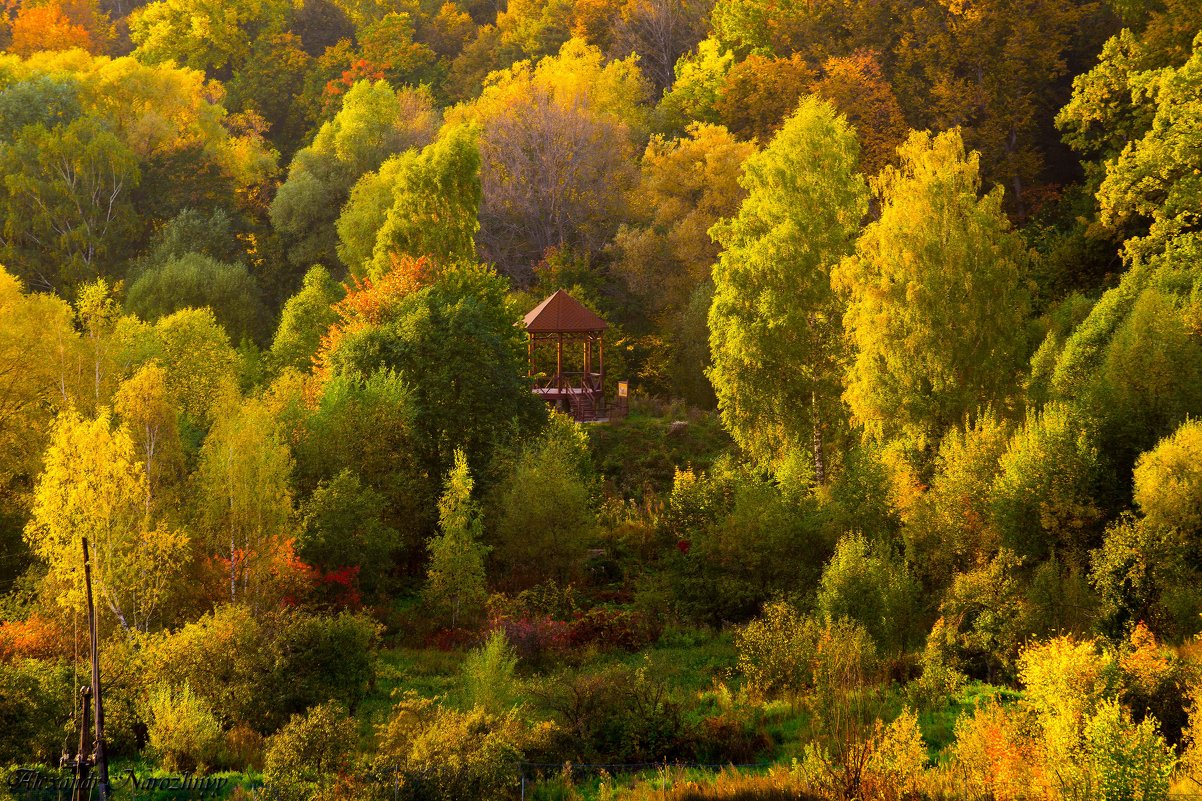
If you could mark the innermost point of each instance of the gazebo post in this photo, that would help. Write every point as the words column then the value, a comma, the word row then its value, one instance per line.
column 559, row 364
column 601, row 357
column 530, row 355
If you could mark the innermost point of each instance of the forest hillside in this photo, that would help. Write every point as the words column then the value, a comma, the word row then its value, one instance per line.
column 872, row 462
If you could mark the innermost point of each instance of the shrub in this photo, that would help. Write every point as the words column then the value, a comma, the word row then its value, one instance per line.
column 868, row 584
column 775, row 651
column 896, row 761
column 616, row 715
column 440, row 754
column 310, row 752
column 261, row 670
column 608, row 627
column 35, row 698
column 183, row 731
column 533, row 638
column 488, row 674
column 1130, row 761
column 994, row 756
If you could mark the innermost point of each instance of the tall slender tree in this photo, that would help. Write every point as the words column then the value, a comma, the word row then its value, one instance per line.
column 774, row 322
column 455, row 579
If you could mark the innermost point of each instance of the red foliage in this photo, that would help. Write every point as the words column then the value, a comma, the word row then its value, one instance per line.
column 608, row 627
column 533, row 636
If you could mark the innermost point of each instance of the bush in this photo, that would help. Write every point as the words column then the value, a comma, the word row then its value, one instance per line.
column 1129, row 760
column 260, row 671
column 35, row 698
column 869, row 585
column 195, row 281
column 488, row 674
column 310, row 752
column 439, row 754
column 184, row 733
column 775, row 651
column 608, row 627
column 616, row 715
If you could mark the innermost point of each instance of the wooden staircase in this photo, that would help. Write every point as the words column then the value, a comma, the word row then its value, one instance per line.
column 584, row 407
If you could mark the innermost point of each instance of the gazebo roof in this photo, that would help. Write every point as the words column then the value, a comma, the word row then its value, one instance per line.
column 562, row 314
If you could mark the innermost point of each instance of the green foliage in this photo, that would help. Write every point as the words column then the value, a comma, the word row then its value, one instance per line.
column 1131, row 760
column 455, row 344
column 343, row 527
column 1143, row 573
column 445, row 755
column 305, row 319
column 868, row 584
column 36, row 697
column 66, row 208
column 183, row 732
column 310, row 751
column 488, row 677
column 418, row 204
column 193, row 280
column 923, row 361
column 775, row 651
column 455, row 578
column 543, row 508
column 1043, row 497
column 740, row 540
column 260, row 671
column 774, row 321
column 1168, row 480
column 983, row 620
column 373, row 123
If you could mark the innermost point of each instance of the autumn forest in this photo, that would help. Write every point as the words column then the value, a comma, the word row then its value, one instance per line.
column 888, row 488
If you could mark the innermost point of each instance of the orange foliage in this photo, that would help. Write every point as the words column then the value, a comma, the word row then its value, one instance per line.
column 47, row 28
column 34, row 638
column 370, row 302
column 994, row 757
column 858, row 88
column 759, row 93
column 1146, row 665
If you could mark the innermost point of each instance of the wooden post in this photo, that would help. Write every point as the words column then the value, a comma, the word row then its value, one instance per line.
column 530, row 355
column 80, row 792
column 601, row 358
column 101, row 762
column 559, row 364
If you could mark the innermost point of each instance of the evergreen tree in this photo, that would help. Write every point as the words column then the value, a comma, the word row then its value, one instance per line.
column 455, row 579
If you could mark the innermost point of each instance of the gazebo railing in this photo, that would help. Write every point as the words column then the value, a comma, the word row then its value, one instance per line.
column 578, row 379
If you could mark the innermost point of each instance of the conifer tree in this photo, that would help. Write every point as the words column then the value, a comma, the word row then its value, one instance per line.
column 455, row 579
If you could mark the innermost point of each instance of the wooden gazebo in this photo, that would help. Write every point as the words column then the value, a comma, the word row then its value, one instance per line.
column 577, row 385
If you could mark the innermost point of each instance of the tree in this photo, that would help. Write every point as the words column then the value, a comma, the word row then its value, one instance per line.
column 991, row 68
column 1168, row 480
column 936, row 299
column 66, row 207
column 207, row 36
column 857, row 86
column 759, row 93
column 93, row 486
column 450, row 336
column 196, row 281
column 1042, row 499
column 144, row 406
column 419, row 204
column 550, row 133
column 245, row 502
column 46, row 27
column 197, row 359
column 374, row 122
column 306, row 318
column 40, row 354
column 1155, row 178
column 774, row 320
column 543, row 515
column 867, row 584
column 455, row 579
